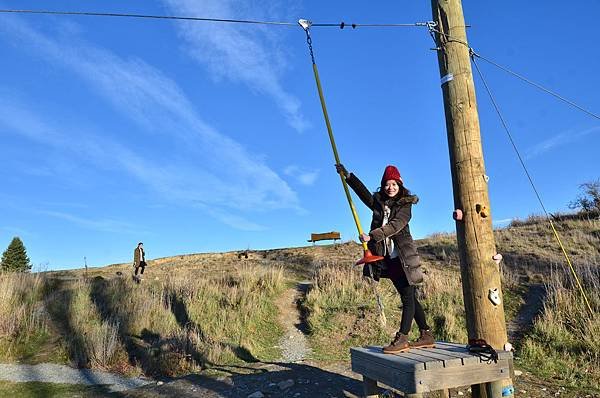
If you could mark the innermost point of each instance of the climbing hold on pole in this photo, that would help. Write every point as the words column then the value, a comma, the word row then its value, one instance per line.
column 481, row 210
column 457, row 215
column 508, row 391
column 497, row 258
column 508, row 347
column 494, row 296
column 486, row 177
column 484, row 212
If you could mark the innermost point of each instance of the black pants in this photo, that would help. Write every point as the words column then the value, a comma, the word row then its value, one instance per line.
column 142, row 266
column 411, row 308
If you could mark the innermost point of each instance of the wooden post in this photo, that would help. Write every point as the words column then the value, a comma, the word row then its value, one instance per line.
column 480, row 273
column 370, row 388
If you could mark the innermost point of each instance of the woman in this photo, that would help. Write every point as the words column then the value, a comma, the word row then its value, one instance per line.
column 390, row 237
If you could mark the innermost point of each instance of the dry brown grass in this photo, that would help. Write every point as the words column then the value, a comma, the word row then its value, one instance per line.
column 564, row 343
column 21, row 314
column 201, row 310
column 343, row 311
column 162, row 327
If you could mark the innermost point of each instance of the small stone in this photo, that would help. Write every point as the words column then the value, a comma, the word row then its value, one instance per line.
column 256, row 394
column 544, row 389
column 518, row 372
column 284, row 385
column 159, row 383
column 461, row 393
column 297, row 394
column 523, row 391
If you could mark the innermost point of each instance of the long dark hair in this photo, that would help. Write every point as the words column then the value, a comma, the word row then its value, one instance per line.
column 402, row 191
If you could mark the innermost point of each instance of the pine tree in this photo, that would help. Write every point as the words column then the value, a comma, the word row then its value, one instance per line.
column 15, row 257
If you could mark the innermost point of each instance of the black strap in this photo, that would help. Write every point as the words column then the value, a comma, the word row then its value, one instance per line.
column 483, row 350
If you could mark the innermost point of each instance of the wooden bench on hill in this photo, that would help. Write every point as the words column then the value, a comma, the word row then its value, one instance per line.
column 420, row 370
column 324, row 236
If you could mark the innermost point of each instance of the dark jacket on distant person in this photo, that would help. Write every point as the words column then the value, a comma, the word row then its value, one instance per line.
column 138, row 257
column 396, row 228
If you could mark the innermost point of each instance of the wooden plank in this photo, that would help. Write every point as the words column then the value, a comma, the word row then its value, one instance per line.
column 387, row 375
column 460, row 351
column 450, row 354
column 374, row 353
column 434, row 353
column 466, row 359
column 427, row 381
column 428, row 362
column 501, row 353
column 432, row 380
column 411, row 363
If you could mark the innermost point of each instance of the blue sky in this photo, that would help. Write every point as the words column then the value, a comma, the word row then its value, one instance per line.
column 199, row 137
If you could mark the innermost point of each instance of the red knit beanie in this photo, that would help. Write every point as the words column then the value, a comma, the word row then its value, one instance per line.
column 390, row 173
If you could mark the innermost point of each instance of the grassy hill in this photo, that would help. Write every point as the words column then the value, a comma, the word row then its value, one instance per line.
column 202, row 311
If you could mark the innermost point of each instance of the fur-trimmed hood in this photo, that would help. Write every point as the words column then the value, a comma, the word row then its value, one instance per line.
column 402, row 200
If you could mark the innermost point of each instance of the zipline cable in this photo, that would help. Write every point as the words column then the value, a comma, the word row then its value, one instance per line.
column 340, row 25
column 504, row 124
column 432, row 29
column 537, row 85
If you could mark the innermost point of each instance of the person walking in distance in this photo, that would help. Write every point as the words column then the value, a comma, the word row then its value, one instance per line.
column 139, row 261
column 390, row 237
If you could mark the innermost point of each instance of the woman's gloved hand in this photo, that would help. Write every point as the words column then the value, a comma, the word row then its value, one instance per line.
column 342, row 170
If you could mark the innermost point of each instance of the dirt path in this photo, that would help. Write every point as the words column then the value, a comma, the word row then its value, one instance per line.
column 531, row 308
column 294, row 344
column 55, row 373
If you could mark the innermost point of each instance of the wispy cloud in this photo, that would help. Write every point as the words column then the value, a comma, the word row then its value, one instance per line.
column 304, row 177
column 561, row 139
column 141, row 92
column 103, row 225
column 503, row 221
column 239, row 53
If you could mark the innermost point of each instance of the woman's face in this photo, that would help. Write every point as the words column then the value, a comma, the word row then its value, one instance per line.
column 391, row 188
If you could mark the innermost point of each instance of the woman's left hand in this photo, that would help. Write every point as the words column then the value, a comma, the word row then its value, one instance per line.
column 364, row 237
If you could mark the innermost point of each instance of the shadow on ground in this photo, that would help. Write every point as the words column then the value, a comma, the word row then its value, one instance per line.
column 272, row 380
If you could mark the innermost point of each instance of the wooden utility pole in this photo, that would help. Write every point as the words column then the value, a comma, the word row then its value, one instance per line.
column 480, row 273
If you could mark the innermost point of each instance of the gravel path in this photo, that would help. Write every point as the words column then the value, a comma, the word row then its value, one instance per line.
column 55, row 373
column 531, row 308
column 294, row 345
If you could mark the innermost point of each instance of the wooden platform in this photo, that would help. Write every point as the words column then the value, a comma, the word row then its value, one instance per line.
column 419, row 370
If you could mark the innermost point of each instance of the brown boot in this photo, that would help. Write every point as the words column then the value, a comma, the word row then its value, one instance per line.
column 425, row 340
column 399, row 344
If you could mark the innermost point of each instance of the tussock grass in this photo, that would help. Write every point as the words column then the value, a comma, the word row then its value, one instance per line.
column 564, row 343
column 22, row 316
column 164, row 327
column 342, row 310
